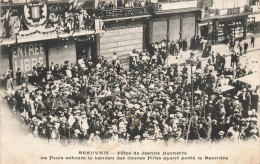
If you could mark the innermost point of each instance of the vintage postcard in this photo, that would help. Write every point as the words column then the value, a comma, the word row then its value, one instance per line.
column 130, row 81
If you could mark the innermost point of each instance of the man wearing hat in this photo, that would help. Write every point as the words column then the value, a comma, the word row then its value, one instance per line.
column 220, row 135
column 64, row 131
column 245, row 97
column 43, row 132
column 84, row 122
column 75, row 136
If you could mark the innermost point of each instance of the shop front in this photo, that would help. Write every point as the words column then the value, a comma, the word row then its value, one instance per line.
column 188, row 28
column 159, row 30
column 5, row 59
column 122, row 37
column 234, row 30
column 46, row 32
column 61, row 51
column 173, row 26
column 86, row 47
column 121, row 41
column 174, row 29
column 72, row 49
column 29, row 50
column 254, row 23
column 23, row 56
column 205, row 30
column 221, row 30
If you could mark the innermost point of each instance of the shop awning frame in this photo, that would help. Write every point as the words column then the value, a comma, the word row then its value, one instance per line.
column 41, row 37
column 224, row 17
column 248, row 80
column 175, row 11
column 125, row 18
column 205, row 24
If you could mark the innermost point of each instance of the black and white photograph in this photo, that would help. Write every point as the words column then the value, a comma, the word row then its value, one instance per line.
column 130, row 81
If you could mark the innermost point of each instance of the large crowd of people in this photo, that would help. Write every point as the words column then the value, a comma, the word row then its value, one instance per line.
column 94, row 103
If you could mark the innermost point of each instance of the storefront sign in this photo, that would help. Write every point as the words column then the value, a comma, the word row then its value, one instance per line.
column 177, row 5
column 25, row 56
column 122, row 37
column 121, row 44
column 124, row 31
column 125, row 49
column 121, row 41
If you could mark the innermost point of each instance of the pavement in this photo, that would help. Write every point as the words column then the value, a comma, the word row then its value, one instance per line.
column 218, row 48
column 224, row 49
column 253, row 55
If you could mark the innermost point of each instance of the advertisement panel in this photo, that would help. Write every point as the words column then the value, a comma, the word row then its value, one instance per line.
column 25, row 56
column 121, row 41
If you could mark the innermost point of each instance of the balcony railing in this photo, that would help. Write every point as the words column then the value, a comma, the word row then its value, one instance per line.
column 148, row 9
column 221, row 12
column 233, row 11
column 124, row 12
column 163, row 5
column 209, row 13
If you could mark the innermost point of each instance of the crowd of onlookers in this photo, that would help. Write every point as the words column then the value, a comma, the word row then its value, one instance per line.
column 94, row 103
column 158, row 53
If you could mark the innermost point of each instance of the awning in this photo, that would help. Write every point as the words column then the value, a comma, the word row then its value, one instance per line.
column 125, row 18
column 7, row 41
column 228, row 17
column 175, row 11
column 253, row 80
column 204, row 24
column 40, row 36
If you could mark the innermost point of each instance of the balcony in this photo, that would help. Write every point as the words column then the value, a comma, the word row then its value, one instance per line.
column 8, row 3
column 163, row 5
column 124, row 12
column 224, row 12
column 32, row 36
column 234, row 11
column 151, row 7
column 255, row 8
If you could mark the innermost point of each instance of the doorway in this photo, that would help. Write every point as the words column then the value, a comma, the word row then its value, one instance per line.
column 86, row 49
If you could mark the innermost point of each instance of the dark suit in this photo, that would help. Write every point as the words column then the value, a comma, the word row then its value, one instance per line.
column 184, row 44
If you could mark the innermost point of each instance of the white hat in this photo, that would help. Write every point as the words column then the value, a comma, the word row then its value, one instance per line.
column 76, row 131
column 221, row 133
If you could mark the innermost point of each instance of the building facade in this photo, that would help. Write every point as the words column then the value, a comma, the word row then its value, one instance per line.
column 43, row 32
column 223, row 20
column 174, row 21
column 254, row 17
column 53, row 31
column 126, row 29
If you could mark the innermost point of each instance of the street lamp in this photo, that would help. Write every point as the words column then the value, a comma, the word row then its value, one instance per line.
column 233, row 29
column 210, row 29
column 192, row 62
